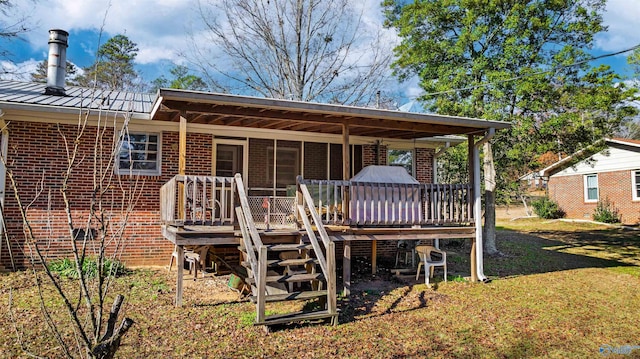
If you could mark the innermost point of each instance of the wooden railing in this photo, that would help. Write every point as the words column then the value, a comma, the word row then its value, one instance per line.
column 204, row 200
column 312, row 224
column 364, row 203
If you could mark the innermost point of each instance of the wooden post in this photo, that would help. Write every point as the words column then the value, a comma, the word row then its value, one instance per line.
column 374, row 256
column 346, row 171
column 471, row 160
column 180, row 263
column 346, row 168
column 261, row 284
column 182, row 165
column 331, row 287
column 346, row 269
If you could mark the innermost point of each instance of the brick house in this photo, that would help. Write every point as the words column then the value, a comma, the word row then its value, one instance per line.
column 149, row 139
column 578, row 182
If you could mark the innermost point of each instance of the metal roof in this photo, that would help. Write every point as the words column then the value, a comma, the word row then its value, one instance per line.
column 19, row 94
column 277, row 114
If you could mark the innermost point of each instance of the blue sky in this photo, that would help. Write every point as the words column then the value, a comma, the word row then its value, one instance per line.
column 160, row 29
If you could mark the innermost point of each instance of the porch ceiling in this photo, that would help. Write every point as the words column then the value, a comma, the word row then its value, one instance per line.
column 243, row 111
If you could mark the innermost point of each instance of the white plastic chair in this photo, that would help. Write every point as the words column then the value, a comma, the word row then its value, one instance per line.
column 194, row 257
column 429, row 262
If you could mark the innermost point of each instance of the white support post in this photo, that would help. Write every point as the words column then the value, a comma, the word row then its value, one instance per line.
column 477, row 204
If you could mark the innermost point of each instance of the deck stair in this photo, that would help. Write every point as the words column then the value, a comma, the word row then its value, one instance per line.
column 268, row 275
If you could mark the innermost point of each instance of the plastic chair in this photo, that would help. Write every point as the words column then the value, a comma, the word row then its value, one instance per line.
column 429, row 262
column 406, row 248
column 195, row 257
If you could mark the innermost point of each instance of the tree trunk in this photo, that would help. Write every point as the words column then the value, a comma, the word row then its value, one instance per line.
column 489, row 229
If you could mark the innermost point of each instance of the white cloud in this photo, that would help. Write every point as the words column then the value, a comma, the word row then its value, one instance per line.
column 621, row 17
column 18, row 71
column 157, row 27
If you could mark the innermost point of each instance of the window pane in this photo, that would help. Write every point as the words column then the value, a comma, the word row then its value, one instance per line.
column 592, row 187
column 638, row 184
column 139, row 151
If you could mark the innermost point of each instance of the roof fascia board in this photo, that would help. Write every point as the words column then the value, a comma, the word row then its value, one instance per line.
column 326, row 109
column 137, row 124
column 49, row 109
column 623, row 143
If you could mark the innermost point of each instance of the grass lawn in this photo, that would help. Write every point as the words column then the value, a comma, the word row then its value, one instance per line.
column 560, row 290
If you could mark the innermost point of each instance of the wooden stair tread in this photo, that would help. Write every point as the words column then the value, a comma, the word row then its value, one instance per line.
column 289, row 247
column 282, row 247
column 286, row 262
column 310, row 294
column 296, row 317
column 290, row 278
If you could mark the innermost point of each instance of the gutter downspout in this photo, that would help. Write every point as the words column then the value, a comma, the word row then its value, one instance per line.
column 434, row 166
column 477, row 204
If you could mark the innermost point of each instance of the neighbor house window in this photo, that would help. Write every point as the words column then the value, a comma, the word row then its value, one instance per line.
column 635, row 181
column 139, row 154
column 591, row 188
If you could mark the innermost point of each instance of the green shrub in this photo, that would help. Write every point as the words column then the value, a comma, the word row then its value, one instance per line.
column 547, row 209
column 606, row 212
column 67, row 267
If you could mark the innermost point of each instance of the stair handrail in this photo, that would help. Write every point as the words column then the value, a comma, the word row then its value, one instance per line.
column 260, row 268
column 246, row 210
column 328, row 263
column 246, row 240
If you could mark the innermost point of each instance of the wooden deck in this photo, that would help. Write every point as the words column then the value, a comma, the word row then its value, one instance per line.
column 220, row 235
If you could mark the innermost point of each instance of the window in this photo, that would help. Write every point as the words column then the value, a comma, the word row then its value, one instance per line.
column 402, row 158
column 139, row 154
column 287, row 166
column 591, row 188
column 635, row 181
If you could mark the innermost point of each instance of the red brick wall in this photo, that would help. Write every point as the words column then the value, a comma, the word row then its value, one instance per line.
column 568, row 191
column 369, row 155
column 424, row 164
column 37, row 158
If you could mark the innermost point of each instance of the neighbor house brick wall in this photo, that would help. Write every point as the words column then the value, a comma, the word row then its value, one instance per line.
column 568, row 191
column 37, row 158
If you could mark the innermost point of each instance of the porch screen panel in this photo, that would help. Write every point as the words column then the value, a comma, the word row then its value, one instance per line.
column 315, row 160
column 287, row 163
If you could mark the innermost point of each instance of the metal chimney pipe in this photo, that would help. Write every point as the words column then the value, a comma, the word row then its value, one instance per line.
column 57, row 63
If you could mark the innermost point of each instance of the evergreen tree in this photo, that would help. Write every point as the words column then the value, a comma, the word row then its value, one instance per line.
column 113, row 69
column 182, row 79
column 40, row 74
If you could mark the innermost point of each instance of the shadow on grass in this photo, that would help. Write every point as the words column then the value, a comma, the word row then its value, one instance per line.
column 524, row 254
column 549, row 251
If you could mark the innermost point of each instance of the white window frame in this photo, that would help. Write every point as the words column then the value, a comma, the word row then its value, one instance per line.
column 635, row 185
column 586, row 188
column 129, row 171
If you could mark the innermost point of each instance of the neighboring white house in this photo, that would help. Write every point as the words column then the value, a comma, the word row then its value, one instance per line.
column 612, row 173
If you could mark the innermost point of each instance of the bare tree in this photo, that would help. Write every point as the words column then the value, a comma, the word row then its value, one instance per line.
column 95, row 219
column 13, row 25
column 308, row 50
